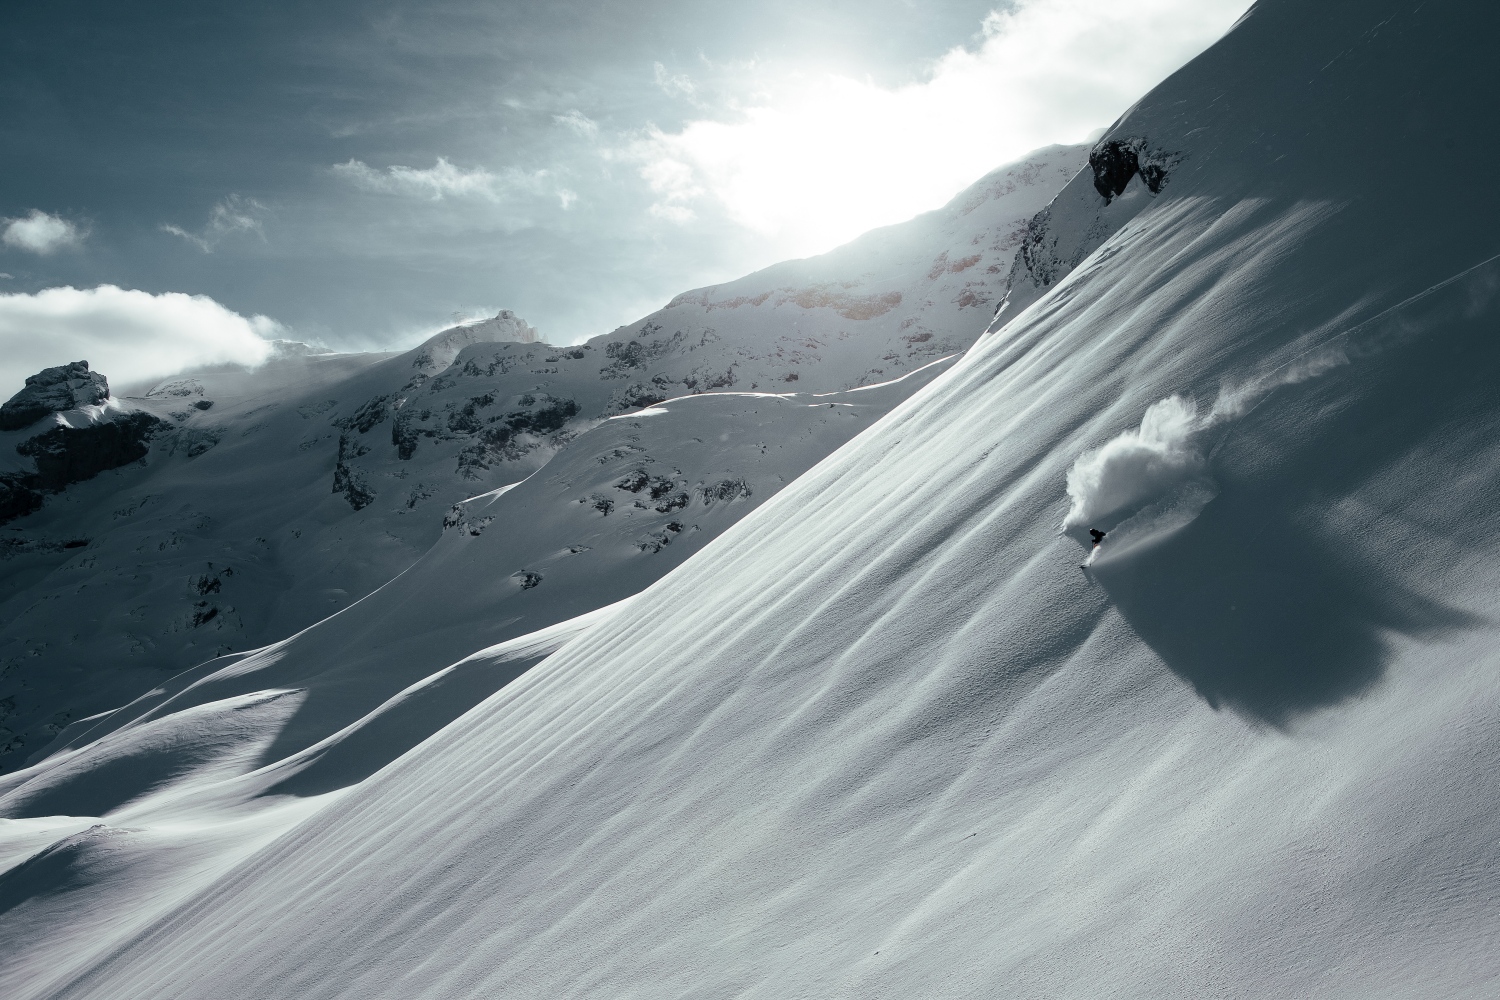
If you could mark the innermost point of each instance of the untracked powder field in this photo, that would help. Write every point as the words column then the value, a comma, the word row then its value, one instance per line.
column 1086, row 589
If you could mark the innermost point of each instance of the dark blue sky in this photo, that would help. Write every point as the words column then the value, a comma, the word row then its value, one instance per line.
column 128, row 116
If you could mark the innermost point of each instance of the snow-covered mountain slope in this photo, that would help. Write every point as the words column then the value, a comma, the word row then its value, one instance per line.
column 274, row 498
column 219, row 747
column 915, row 290
column 883, row 737
column 614, row 511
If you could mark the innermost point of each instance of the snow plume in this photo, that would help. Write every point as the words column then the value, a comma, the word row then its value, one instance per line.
column 128, row 335
column 1132, row 478
column 1167, row 456
column 1139, row 465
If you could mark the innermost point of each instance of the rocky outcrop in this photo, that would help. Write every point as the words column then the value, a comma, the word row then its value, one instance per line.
column 54, row 390
column 65, row 455
column 1115, row 161
column 349, row 480
column 1061, row 236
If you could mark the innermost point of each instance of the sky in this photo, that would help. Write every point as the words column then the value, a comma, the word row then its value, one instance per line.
column 362, row 173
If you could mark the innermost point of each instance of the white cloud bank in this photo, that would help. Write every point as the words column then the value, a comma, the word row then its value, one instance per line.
column 818, row 160
column 130, row 336
column 40, row 233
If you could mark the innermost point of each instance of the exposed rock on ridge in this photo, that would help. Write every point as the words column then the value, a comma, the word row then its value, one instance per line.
column 66, row 454
column 1116, row 161
column 54, row 390
column 1061, row 236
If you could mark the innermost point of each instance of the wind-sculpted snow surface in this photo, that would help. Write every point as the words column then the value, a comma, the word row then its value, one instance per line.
column 883, row 738
column 219, row 747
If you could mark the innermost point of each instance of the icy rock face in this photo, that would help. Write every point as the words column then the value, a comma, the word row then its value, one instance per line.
column 66, row 455
column 67, row 452
column 54, row 390
column 1115, row 162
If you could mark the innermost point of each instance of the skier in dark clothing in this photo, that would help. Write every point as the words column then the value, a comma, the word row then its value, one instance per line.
column 1098, row 535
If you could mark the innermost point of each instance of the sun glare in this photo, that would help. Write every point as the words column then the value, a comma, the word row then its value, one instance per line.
column 821, row 158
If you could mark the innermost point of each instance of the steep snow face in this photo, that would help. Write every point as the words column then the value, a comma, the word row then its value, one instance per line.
column 884, row 738
column 198, row 769
column 1288, row 136
column 273, row 499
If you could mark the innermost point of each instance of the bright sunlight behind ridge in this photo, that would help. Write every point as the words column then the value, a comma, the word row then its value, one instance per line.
column 811, row 159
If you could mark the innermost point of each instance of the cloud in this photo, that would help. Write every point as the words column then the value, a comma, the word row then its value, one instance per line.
column 235, row 214
column 579, row 122
column 130, row 336
column 444, row 180
column 675, row 85
column 41, row 233
column 814, row 160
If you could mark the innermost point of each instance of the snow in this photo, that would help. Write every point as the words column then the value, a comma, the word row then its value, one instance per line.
column 880, row 736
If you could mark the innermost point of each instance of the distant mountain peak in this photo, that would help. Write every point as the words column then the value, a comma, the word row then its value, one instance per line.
column 439, row 350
